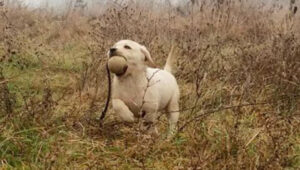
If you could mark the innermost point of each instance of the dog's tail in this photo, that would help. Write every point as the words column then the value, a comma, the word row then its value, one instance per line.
column 170, row 60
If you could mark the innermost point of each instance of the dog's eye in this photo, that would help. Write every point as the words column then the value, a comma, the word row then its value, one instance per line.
column 127, row 47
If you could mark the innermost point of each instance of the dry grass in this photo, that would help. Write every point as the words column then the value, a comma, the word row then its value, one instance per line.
column 238, row 68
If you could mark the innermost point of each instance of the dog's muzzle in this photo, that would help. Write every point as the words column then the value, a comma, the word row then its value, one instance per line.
column 113, row 52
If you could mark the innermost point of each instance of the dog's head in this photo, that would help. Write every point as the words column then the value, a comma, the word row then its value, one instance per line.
column 136, row 54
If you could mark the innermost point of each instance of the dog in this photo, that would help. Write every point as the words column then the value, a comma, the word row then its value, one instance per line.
column 143, row 90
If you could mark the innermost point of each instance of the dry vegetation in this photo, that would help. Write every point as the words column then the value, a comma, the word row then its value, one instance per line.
column 238, row 70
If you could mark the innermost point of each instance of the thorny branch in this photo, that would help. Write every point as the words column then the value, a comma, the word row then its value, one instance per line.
column 145, row 91
column 142, row 113
column 208, row 112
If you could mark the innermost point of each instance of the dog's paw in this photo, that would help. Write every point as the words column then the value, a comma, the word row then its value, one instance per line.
column 149, row 128
column 171, row 134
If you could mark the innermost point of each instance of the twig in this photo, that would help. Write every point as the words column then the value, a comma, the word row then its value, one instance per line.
column 4, row 81
column 142, row 114
column 197, row 117
column 108, row 95
column 253, row 137
column 229, row 107
column 145, row 91
column 8, row 79
column 207, row 112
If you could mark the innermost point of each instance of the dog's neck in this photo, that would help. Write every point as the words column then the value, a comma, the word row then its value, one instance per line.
column 135, row 73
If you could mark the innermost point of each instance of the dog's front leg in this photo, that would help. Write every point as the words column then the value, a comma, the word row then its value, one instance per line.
column 122, row 110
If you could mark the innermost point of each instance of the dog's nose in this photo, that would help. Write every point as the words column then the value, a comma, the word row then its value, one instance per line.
column 112, row 50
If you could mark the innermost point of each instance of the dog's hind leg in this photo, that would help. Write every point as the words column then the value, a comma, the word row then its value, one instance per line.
column 122, row 110
column 173, row 115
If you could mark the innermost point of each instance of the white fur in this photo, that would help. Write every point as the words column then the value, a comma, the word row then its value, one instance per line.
column 144, row 89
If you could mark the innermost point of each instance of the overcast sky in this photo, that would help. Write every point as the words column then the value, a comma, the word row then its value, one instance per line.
column 93, row 5
column 38, row 3
column 62, row 3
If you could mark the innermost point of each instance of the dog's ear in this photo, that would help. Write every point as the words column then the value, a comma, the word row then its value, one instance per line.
column 148, row 57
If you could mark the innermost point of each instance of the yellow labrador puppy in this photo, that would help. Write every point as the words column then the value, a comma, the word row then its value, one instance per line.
column 142, row 91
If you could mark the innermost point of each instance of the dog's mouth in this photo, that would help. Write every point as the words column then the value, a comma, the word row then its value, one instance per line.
column 117, row 64
column 124, row 71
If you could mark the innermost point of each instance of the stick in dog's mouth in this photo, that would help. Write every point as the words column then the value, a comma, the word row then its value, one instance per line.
column 108, row 96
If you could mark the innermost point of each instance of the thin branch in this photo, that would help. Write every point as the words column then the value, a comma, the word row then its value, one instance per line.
column 9, row 79
column 207, row 112
column 235, row 106
column 145, row 90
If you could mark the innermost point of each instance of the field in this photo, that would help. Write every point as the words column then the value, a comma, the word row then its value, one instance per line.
column 238, row 68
